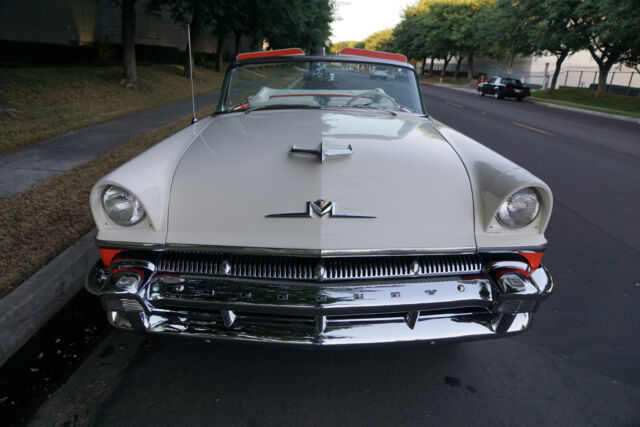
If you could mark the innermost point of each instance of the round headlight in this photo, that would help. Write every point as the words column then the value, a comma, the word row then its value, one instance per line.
column 121, row 206
column 520, row 209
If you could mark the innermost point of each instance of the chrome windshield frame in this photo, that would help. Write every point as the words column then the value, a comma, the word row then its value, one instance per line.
column 226, row 85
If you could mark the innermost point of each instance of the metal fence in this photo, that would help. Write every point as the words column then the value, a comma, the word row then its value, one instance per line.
column 618, row 82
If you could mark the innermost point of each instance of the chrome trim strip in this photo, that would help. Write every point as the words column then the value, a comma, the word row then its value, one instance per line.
column 448, row 329
column 335, row 298
column 329, row 253
column 498, row 249
column 107, row 244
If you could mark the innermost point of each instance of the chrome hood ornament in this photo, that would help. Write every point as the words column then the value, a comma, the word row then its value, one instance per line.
column 323, row 151
column 319, row 207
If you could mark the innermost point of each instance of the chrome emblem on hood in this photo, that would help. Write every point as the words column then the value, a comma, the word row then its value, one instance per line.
column 320, row 207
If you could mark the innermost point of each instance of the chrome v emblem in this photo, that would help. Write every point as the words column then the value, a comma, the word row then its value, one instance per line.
column 319, row 207
column 323, row 151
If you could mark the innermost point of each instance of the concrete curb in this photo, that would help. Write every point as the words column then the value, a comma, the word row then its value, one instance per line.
column 590, row 112
column 28, row 307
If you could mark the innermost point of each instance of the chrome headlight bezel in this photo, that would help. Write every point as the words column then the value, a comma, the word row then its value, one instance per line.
column 131, row 211
column 520, row 209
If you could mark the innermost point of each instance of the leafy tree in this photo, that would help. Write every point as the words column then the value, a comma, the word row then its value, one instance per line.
column 469, row 37
column 410, row 35
column 550, row 21
column 285, row 23
column 281, row 23
column 338, row 46
column 507, row 29
column 611, row 29
column 440, row 29
column 465, row 42
column 632, row 58
column 439, row 33
column 381, row 41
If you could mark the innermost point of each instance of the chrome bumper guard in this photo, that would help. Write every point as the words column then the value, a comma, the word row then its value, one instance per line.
column 499, row 301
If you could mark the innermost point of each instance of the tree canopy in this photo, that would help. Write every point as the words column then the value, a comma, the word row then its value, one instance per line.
column 381, row 40
column 278, row 23
column 442, row 29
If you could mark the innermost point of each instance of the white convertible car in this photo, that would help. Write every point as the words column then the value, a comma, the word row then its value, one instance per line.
column 321, row 212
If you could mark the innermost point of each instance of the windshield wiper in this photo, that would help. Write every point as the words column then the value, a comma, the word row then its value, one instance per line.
column 375, row 107
column 282, row 107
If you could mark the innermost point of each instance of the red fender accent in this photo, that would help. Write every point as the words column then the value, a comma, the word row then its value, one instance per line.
column 373, row 54
column 533, row 258
column 107, row 255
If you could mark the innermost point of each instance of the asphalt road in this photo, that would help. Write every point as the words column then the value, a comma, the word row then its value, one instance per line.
column 578, row 365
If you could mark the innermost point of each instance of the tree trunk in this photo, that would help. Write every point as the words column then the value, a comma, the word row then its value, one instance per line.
column 443, row 73
column 556, row 72
column 604, row 65
column 458, row 60
column 470, row 66
column 510, row 66
column 431, row 67
column 219, row 47
column 601, row 92
column 129, row 41
column 424, row 65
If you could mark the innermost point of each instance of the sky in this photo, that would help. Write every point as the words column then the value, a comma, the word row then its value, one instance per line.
column 357, row 19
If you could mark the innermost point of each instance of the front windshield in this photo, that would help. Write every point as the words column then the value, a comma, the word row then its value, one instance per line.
column 321, row 84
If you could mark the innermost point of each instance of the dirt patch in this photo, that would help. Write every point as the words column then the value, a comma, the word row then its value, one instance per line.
column 38, row 103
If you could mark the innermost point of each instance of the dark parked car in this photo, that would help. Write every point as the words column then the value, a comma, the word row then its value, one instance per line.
column 501, row 87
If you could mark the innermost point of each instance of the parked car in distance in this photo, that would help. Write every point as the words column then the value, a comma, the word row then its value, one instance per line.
column 504, row 87
column 378, row 72
column 337, row 214
column 402, row 74
column 318, row 72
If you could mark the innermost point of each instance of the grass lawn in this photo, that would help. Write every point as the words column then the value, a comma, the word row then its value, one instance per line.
column 448, row 80
column 585, row 98
column 38, row 103
column 38, row 224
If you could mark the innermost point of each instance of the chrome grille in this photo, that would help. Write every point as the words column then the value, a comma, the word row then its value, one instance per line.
column 300, row 268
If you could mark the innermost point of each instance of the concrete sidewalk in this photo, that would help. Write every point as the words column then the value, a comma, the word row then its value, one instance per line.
column 25, row 167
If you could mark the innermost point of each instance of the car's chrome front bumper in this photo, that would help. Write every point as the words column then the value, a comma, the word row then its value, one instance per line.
column 499, row 301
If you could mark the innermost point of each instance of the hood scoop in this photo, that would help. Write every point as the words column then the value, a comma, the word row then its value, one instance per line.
column 324, row 150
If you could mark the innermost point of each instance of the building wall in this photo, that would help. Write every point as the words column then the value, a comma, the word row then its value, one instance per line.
column 580, row 61
column 89, row 22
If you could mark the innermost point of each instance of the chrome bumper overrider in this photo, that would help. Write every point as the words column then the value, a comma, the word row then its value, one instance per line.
column 499, row 301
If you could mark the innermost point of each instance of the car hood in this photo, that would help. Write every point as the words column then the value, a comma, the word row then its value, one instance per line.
column 402, row 172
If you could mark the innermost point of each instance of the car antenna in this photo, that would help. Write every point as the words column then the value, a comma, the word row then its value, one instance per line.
column 193, row 100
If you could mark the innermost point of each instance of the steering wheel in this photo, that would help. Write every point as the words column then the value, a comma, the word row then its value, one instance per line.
column 376, row 97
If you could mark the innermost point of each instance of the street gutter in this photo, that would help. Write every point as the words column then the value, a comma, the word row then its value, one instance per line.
column 29, row 306
column 585, row 111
